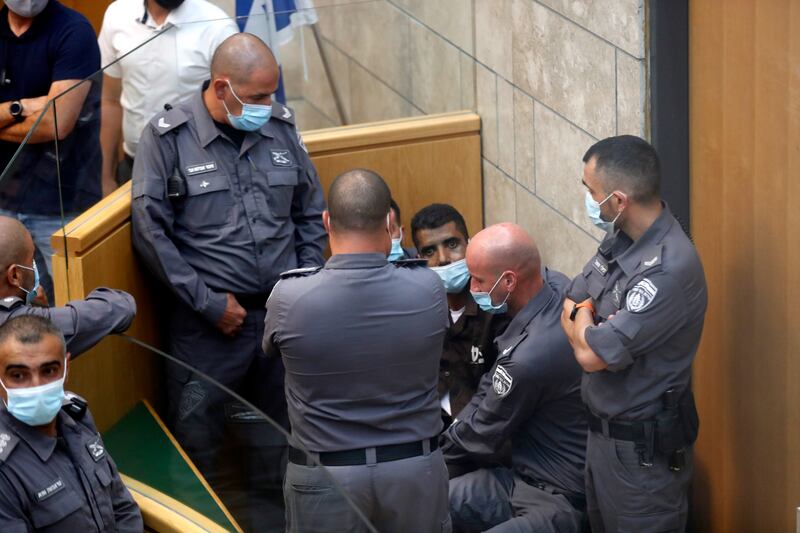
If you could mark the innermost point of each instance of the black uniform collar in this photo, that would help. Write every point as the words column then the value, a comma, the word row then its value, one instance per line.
column 630, row 259
column 349, row 261
column 528, row 313
column 207, row 131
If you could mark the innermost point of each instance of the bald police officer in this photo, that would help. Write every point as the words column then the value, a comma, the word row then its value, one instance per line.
column 225, row 198
column 361, row 339
column 440, row 235
column 531, row 396
column 55, row 473
column 634, row 317
column 83, row 323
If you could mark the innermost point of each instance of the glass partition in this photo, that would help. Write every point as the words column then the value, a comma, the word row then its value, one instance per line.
column 75, row 148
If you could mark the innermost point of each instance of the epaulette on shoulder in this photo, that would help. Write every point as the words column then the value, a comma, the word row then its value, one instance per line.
column 10, row 302
column 410, row 263
column 167, row 121
column 281, row 112
column 300, row 272
column 8, row 441
column 75, row 406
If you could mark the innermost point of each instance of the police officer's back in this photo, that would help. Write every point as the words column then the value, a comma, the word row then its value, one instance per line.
column 634, row 316
column 83, row 323
column 55, row 473
column 361, row 340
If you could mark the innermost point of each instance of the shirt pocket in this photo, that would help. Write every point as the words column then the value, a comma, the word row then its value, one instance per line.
column 208, row 202
column 280, row 190
column 103, row 495
column 55, row 508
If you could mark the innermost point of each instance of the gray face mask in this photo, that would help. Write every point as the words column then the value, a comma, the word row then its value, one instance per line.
column 27, row 8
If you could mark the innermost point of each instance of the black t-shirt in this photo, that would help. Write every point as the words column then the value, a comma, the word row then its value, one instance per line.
column 59, row 45
column 237, row 136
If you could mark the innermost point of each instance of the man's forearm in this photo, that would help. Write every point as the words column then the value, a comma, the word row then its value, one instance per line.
column 110, row 136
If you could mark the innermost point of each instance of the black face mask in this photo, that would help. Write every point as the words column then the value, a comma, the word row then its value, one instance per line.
column 169, row 4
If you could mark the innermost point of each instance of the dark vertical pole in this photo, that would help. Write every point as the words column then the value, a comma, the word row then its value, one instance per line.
column 669, row 100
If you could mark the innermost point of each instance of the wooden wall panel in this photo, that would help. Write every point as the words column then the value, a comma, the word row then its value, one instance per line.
column 744, row 116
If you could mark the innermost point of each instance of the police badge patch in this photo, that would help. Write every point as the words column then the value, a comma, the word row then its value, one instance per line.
column 280, row 158
column 502, row 381
column 641, row 296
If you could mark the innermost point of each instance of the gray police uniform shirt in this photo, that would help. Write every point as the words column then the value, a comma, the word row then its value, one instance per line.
column 43, row 489
column 85, row 322
column 249, row 213
column 360, row 340
column 656, row 290
column 532, row 396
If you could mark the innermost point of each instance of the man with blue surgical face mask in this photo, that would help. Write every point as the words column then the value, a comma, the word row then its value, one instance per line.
column 225, row 198
column 55, row 473
column 396, row 230
column 440, row 235
column 531, row 396
column 83, row 322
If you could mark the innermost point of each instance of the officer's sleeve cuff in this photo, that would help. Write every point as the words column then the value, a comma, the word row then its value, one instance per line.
column 606, row 344
column 217, row 302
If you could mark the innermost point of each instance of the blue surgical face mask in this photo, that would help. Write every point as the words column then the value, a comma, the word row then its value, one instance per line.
column 593, row 212
column 253, row 116
column 36, row 406
column 30, row 295
column 397, row 248
column 484, row 300
column 455, row 276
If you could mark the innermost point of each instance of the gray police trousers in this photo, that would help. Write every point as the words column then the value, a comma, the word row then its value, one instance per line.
column 408, row 495
column 496, row 500
column 622, row 496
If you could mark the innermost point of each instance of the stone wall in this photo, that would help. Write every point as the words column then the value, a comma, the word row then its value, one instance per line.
column 548, row 77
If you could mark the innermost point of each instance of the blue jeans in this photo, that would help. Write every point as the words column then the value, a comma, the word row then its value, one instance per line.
column 41, row 228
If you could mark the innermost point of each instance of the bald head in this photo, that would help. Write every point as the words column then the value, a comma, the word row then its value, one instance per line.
column 505, row 247
column 240, row 56
column 358, row 201
column 15, row 242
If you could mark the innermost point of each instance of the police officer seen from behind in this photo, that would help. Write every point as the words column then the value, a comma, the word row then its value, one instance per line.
column 440, row 235
column 55, row 473
column 225, row 198
column 532, row 396
column 361, row 340
column 634, row 317
column 83, row 323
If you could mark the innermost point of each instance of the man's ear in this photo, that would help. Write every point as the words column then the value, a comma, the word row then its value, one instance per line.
column 326, row 221
column 511, row 281
column 219, row 88
column 14, row 276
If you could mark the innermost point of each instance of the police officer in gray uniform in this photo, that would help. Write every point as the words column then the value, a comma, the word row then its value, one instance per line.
column 361, row 340
column 55, row 473
column 531, row 396
column 634, row 318
column 83, row 323
column 225, row 198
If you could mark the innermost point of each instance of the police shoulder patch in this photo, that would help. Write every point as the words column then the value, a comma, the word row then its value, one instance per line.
column 169, row 120
column 502, row 381
column 641, row 296
column 410, row 263
column 8, row 441
column 10, row 302
column 300, row 272
column 283, row 113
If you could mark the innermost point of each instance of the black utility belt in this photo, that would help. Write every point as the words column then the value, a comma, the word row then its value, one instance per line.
column 383, row 454
column 630, row 431
column 252, row 301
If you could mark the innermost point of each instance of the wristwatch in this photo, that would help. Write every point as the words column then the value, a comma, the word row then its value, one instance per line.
column 15, row 109
column 586, row 303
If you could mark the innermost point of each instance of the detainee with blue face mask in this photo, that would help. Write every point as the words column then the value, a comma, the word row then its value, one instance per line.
column 55, row 473
column 440, row 235
column 531, row 396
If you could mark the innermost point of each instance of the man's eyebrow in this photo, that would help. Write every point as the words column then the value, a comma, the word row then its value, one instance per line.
column 17, row 367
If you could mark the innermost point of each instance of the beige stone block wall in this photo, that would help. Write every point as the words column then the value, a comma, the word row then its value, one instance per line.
column 548, row 77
